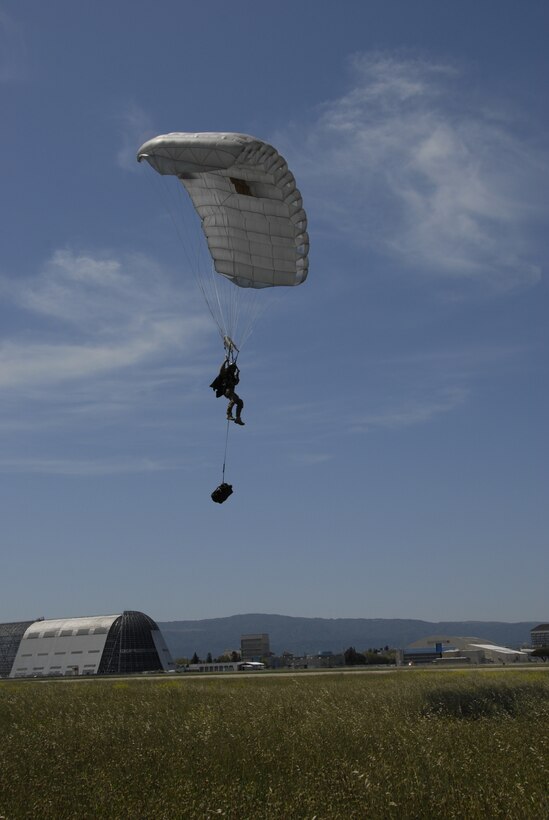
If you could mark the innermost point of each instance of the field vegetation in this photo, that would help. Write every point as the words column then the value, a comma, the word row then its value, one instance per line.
column 402, row 744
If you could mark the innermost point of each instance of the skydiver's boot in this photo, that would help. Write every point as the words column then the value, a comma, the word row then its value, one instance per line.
column 239, row 405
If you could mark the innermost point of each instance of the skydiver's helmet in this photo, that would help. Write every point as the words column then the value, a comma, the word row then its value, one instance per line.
column 221, row 493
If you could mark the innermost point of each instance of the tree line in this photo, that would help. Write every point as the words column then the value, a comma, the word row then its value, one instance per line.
column 372, row 655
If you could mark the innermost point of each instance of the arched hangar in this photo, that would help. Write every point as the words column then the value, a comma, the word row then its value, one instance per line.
column 125, row 643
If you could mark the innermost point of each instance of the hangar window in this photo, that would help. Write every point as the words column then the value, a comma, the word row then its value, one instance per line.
column 100, row 630
column 76, row 652
column 65, row 633
column 55, row 667
column 59, row 653
column 50, row 633
column 26, row 654
column 43, row 653
column 36, row 668
column 82, row 631
column 34, row 635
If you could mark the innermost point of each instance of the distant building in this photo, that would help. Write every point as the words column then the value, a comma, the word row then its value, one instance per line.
column 320, row 660
column 457, row 649
column 105, row 644
column 254, row 647
column 220, row 666
column 540, row 635
column 419, row 654
column 10, row 638
column 233, row 654
column 325, row 660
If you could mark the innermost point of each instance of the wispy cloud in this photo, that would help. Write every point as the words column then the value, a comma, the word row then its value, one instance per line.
column 83, row 467
column 94, row 316
column 12, row 49
column 408, row 164
column 135, row 126
column 310, row 459
column 411, row 412
column 108, row 352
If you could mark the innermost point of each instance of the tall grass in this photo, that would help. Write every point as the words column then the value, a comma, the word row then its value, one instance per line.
column 450, row 744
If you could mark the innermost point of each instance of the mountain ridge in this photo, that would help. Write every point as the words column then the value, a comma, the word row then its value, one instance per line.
column 309, row 635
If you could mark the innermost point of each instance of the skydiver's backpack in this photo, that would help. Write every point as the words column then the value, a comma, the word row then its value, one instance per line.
column 221, row 493
column 218, row 386
column 233, row 376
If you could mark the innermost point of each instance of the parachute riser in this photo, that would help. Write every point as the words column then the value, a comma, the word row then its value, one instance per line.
column 230, row 348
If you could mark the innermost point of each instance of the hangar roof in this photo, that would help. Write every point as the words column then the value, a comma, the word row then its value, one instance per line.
column 502, row 650
column 92, row 625
column 447, row 641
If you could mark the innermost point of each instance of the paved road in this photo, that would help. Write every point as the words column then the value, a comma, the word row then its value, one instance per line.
column 293, row 673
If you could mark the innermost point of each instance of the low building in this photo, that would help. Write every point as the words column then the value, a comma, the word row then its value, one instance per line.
column 255, row 647
column 125, row 643
column 220, row 666
column 419, row 654
column 325, row 660
column 458, row 649
column 491, row 653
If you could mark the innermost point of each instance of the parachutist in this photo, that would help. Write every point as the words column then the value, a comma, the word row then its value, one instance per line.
column 224, row 385
column 221, row 493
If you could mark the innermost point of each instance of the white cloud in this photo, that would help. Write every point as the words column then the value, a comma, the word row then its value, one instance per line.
column 100, row 316
column 406, row 163
column 24, row 364
column 100, row 293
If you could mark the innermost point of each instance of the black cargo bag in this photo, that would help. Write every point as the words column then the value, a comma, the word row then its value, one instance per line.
column 221, row 493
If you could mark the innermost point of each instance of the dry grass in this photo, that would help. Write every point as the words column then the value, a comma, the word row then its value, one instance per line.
column 450, row 744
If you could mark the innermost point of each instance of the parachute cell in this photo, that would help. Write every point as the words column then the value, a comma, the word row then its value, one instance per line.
column 251, row 210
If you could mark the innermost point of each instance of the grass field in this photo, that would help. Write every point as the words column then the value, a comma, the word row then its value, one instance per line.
column 406, row 744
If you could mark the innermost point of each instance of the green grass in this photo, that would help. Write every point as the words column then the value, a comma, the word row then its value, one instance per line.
column 406, row 744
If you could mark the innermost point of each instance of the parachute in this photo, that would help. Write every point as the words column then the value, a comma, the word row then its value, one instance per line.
column 253, row 219
column 250, row 209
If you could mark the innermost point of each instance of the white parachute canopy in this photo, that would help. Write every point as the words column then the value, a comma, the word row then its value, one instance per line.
column 250, row 208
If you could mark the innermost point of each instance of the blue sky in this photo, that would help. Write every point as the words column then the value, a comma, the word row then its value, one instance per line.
column 394, row 459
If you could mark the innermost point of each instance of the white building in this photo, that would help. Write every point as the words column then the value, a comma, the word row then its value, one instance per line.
column 448, row 648
column 105, row 644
